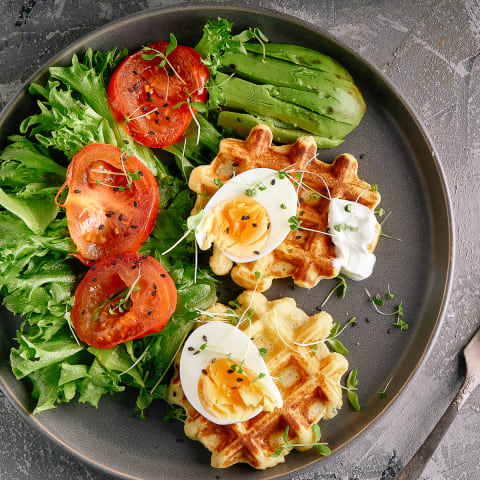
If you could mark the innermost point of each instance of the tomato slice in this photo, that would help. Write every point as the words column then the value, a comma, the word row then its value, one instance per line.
column 102, row 319
column 141, row 94
column 112, row 202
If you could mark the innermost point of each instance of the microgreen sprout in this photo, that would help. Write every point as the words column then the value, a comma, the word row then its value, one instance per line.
column 383, row 393
column 263, row 352
column 341, row 286
column 389, row 294
column 335, row 344
column 235, row 303
column 344, row 227
column 348, row 208
column 400, row 323
column 351, row 389
column 321, row 447
column 177, row 414
column 258, row 377
column 250, row 192
column 129, row 118
column 294, row 222
column 218, row 182
column 283, row 206
column 282, row 174
column 164, row 56
column 379, row 211
column 193, row 222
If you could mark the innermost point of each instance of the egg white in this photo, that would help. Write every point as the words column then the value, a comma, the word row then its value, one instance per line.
column 281, row 192
column 225, row 339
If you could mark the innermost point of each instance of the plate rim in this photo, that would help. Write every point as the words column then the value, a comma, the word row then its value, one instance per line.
column 82, row 43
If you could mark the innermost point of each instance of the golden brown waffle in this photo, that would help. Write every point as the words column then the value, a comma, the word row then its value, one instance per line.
column 306, row 256
column 310, row 385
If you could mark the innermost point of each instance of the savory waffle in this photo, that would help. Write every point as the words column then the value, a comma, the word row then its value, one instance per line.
column 305, row 255
column 308, row 379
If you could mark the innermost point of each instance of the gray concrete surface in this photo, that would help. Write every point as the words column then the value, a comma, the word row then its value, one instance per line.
column 430, row 50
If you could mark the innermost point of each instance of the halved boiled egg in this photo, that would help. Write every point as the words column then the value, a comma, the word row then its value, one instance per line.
column 224, row 376
column 248, row 216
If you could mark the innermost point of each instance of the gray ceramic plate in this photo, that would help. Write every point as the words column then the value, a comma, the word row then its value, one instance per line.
column 394, row 152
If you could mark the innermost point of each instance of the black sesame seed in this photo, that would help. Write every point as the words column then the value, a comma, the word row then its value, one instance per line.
column 272, row 182
column 361, row 156
column 140, row 173
column 153, row 293
column 135, row 87
column 116, row 189
column 93, row 267
column 77, row 191
column 167, row 118
column 157, row 121
column 152, row 132
column 144, row 108
column 120, row 256
column 205, row 338
column 130, row 90
column 230, row 371
column 204, row 371
column 163, row 275
column 191, row 349
column 83, row 312
column 125, row 234
column 135, row 204
column 126, row 142
column 234, row 164
column 367, row 320
column 101, row 227
column 165, row 105
column 157, row 112
column 120, row 217
column 135, row 72
column 94, row 279
column 174, row 394
column 144, row 79
column 135, row 262
column 239, row 379
column 133, row 267
column 302, row 212
column 169, row 72
column 228, row 230
column 113, row 262
column 150, row 312
column 256, row 252
column 197, row 352
column 301, row 200
column 110, row 213
column 133, row 226
column 254, row 225
column 389, row 330
column 155, row 287
column 268, row 227
column 298, row 237
column 214, row 360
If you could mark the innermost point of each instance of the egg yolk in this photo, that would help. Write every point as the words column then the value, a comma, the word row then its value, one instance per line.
column 238, row 226
column 227, row 394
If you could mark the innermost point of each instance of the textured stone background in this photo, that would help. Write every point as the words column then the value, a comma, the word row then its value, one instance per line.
column 430, row 50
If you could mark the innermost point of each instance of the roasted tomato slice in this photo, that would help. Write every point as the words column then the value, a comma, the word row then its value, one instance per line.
column 112, row 202
column 142, row 94
column 121, row 298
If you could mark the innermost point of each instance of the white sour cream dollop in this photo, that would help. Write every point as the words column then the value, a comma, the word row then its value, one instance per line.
column 353, row 227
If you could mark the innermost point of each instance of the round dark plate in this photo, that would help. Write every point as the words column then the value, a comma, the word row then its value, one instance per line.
column 394, row 152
